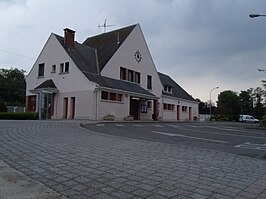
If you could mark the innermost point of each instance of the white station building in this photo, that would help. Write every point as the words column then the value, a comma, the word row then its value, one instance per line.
column 111, row 74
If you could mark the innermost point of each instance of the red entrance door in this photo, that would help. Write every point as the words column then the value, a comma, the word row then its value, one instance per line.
column 177, row 112
column 189, row 113
column 134, row 107
column 73, row 104
column 65, row 107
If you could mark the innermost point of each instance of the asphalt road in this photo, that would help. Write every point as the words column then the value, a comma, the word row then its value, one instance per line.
column 235, row 138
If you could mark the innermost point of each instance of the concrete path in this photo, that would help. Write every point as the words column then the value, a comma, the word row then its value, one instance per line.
column 15, row 185
column 77, row 163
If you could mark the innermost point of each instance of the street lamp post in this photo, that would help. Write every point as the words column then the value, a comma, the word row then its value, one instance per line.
column 211, row 100
column 256, row 15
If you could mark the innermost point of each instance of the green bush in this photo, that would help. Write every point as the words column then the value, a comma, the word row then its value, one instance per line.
column 263, row 121
column 225, row 118
column 3, row 107
column 18, row 116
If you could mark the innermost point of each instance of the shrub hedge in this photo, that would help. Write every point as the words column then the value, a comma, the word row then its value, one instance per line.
column 3, row 107
column 225, row 118
column 263, row 121
column 18, row 116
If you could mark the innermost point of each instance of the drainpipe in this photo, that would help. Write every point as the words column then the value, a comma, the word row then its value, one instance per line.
column 96, row 103
column 40, row 105
column 162, row 108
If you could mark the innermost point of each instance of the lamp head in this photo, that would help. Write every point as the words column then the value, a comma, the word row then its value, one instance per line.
column 254, row 15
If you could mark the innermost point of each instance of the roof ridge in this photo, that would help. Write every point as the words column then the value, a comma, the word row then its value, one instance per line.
column 110, row 32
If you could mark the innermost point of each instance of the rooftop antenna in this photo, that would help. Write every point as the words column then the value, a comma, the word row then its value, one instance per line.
column 105, row 25
column 118, row 39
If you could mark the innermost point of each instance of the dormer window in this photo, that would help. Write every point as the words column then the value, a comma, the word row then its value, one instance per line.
column 167, row 89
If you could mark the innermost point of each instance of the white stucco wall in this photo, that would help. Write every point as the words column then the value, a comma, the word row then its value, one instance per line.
column 84, row 102
column 119, row 109
column 171, row 115
column 124, row 57
column 72, row 84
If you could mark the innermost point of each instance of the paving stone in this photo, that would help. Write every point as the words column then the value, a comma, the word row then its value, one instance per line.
column 103, row 196
column 198, row 196
column 165, row 193
column 122, row 194
column 128, row 188
column 142, row 193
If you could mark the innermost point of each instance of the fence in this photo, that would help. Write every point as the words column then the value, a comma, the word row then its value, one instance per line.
column 204, row 117
column 16, row 109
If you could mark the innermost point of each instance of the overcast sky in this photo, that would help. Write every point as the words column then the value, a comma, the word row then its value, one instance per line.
column 201, row 44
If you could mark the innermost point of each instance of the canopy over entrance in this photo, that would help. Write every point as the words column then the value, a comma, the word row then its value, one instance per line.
column 46, row 92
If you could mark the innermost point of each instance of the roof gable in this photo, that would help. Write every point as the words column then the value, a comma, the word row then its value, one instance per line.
column 108, row 43
column 177, row 91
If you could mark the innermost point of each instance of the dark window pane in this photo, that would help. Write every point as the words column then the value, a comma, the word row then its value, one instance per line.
column 123, row 75
column 149, row 82
column 113, row 96
column 41, row 70
column 66, row 67
column 130, row 75
column 104, row 95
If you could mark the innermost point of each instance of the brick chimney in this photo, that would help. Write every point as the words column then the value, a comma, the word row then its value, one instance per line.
column 69, row 38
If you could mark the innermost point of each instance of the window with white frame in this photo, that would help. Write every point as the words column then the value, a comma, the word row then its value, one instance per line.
column 53, row 68
column 64, row 67
column 41, row 70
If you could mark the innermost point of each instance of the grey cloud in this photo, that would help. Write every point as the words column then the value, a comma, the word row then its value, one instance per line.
column 195, row 41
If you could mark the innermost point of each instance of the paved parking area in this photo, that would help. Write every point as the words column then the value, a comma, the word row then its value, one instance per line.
column 237, row 138
column 78, row 163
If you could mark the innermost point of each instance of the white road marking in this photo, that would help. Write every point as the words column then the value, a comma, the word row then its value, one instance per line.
column 191, row 137
column 233, row 129
column 157, row 125
column 233, row 135
column 99, row 124
column 173, row 125
column 193, row 126
column 249, row 145
column 138, row 125
column 119, row 125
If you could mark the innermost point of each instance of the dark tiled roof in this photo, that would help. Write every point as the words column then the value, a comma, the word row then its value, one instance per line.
column 47, row 84
column 83, row 56
column 107, row 43
column 177, row 91
column 118, row 84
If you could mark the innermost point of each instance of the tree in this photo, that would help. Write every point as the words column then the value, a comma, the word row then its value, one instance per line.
column 12, row 86
column 3, row 107
column 258, row 95
column 203, row 107
column 228, row 103
column 259, row 110
column 246, row 102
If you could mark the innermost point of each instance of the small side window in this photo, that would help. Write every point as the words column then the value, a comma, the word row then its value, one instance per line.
column 53, row 69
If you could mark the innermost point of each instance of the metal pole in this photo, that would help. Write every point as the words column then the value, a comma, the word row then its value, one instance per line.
column 256, row 15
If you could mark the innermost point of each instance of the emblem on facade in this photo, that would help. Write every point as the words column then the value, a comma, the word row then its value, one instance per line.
column 138, row 56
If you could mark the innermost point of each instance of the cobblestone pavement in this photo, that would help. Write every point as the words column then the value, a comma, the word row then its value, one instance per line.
column 78, row 163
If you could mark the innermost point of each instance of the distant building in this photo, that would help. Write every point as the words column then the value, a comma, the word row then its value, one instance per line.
column 108, row 74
